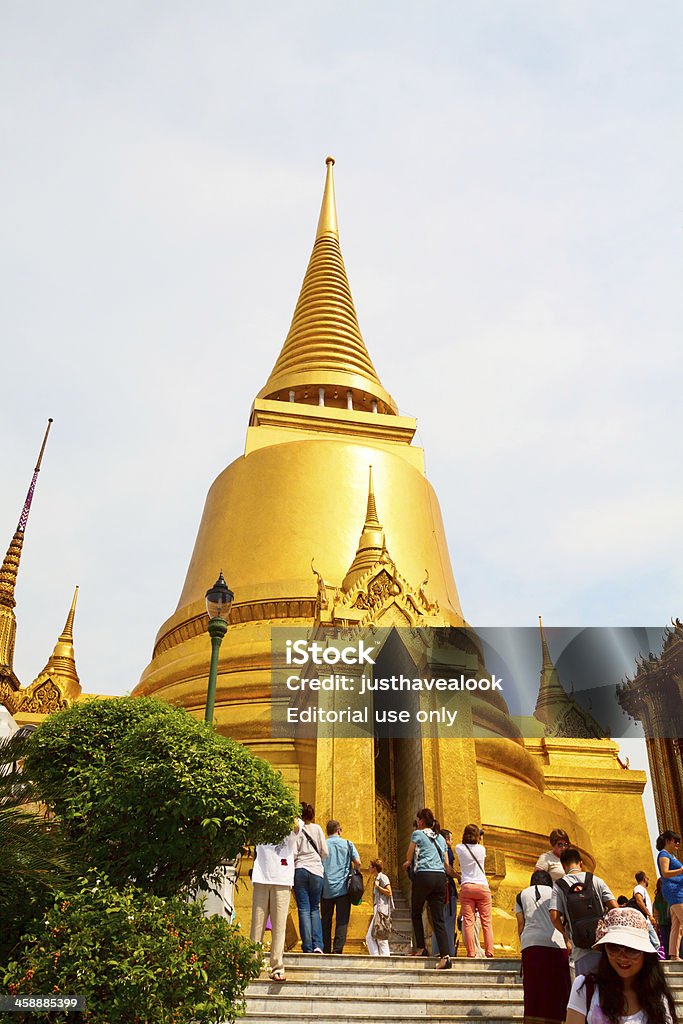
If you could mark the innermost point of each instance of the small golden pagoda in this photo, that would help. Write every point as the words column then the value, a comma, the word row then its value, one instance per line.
column 295, row 501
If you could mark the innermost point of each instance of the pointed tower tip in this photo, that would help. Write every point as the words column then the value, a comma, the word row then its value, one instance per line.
column 327, row 222
column 371, row 514
column 67, row 634
column 324, row 360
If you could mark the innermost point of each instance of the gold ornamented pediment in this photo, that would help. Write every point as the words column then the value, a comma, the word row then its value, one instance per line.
column 373, row 594
column 42, row 698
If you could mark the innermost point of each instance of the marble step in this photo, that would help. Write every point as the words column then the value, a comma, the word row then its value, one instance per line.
column 379, row 1008
column 399, row 963
column 436, row 993
column 368, row 976
column 452, row 1018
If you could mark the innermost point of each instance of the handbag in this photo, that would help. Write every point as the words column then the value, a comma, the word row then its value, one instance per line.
column 354, row 881
column 381, row 925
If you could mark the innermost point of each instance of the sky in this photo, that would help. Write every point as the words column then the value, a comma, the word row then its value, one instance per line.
column 508, row 189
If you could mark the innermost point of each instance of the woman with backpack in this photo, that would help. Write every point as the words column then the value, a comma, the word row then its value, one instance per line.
column 545, row 960
column 427, row 866
column 629, row 986
column 474, row 889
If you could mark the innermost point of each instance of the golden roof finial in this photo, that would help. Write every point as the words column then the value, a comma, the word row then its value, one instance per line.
column 545, row 651
column 67, row 634
column 324, row 351
column 371, row 546
column 327, row 222
column 371, row 515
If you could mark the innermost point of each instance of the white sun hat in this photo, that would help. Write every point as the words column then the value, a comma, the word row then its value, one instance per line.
column 624, row 926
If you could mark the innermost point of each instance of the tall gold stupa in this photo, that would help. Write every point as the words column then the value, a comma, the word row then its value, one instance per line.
column 283, row 521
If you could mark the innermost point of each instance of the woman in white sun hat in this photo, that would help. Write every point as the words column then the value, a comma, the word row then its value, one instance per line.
column 629, row 986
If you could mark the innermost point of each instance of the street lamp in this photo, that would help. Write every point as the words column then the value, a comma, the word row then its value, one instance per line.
column 218, row 604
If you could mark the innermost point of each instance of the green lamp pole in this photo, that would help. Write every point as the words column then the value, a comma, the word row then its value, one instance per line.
column 218, row 604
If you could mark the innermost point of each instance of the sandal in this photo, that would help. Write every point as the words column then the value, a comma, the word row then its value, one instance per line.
column 419, row 952
column 277, row 976
column 444, row 964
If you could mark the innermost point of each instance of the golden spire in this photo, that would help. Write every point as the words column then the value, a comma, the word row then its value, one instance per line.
column 327, row 222
column 545, row 651
column 324, row 360
column 8, row 578
column 371, row 546
column 552, row 696
column 61, row 665
column 10, row 565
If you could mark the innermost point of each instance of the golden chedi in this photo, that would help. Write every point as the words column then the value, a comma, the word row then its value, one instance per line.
column 309, row 537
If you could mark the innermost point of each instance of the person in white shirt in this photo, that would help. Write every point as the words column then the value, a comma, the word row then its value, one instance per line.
column 642, row 896
column 630, row 986
column 272, row 878
column 383, row 904
column 475, row 893
column 545, row 960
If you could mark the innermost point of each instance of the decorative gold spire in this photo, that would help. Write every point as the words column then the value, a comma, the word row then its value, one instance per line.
column 552, row 696
column 58, row 683
column 327, row 222
column 371, row 546
column 324, row 360
column 547, row 664
column 8, row 578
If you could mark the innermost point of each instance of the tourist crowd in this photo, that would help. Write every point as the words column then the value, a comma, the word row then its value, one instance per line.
column 587, row 956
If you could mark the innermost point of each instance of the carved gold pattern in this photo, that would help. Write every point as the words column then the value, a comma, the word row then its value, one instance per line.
column 385, row 826
column 45, row 700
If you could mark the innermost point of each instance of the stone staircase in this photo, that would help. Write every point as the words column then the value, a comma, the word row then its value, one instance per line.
column 374, row 989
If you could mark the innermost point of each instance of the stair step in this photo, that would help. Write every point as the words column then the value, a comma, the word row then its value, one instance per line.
column 456, row 989
column 380, row 1008
column 272, row 1017
column 369, row 976
column 399, row 963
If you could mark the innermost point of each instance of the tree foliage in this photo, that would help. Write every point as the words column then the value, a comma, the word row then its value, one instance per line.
column 151, row 796
column 34, row 860
column 136, row 958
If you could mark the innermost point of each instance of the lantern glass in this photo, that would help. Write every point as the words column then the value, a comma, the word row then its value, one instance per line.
column 219, row 600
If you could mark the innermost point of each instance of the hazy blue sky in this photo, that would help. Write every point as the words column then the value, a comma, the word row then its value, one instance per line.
column 508, row 185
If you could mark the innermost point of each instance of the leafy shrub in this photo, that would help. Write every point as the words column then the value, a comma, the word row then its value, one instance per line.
column 35, row 860
column 136, row 958
column 151, row 796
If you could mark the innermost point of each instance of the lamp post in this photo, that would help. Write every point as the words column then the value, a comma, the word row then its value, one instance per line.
column 218, row 604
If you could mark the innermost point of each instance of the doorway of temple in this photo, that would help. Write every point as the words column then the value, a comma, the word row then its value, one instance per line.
column 399, row 783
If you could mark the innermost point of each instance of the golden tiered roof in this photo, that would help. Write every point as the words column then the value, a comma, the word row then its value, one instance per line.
column 324, row 348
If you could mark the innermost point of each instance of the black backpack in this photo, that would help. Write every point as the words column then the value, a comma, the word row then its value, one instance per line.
column 632, row 903
column 584, row 910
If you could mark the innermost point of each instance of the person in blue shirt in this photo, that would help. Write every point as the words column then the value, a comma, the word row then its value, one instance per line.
column 671, row 870
column 341, row 854
column 428, row 859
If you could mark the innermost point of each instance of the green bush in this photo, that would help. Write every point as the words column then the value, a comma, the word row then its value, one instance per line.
column 150, row 796
column 136, row 958
column 35, row 860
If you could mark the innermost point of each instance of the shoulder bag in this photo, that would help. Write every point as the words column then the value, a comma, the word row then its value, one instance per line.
column 354, row 880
